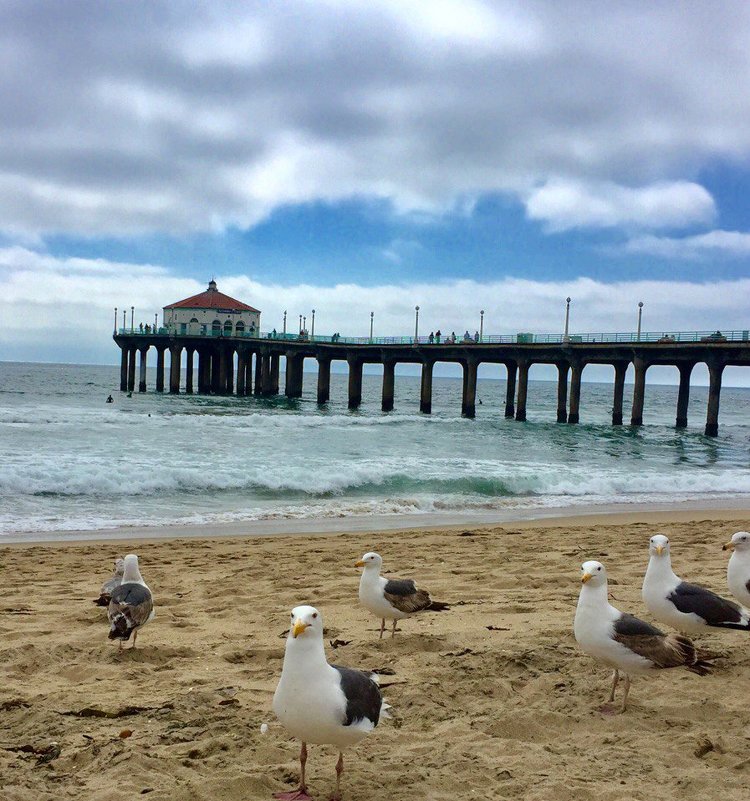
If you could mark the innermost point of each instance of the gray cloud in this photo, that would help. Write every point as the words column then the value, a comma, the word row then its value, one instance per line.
column 166, row 116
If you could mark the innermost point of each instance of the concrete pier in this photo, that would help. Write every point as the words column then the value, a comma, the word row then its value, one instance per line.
column 216, row 372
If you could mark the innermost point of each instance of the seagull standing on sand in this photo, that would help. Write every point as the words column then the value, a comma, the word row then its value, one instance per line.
column 391, row 599
column 111, row 584
column 623, row 641
column 686, row 607
column 738, row 569
column 322, row 703
column 132, row 605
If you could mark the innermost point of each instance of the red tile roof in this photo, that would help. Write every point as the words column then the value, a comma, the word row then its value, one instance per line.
column 212, row 299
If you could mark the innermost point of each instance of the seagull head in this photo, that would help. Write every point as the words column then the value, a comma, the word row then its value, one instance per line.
column 307, row 623
column 130, row 571
column 370, row 560
column 593, row 573
column 658, row 545
column 740, row 542
column 119, row 566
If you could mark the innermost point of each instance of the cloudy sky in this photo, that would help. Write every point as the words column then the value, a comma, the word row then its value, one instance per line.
column 358, row 156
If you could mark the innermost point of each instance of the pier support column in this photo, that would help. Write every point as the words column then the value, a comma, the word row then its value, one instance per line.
column 510, row 390
column 266, row 386
column 215, row 372
column 274, row 373
column 389, row 381
column 241, row 371
column 355, row 382
column 575, row 391
column 123, row 369
column 160, row 368
column 223, row 357
column 620, row 369
column 324, row 379
column 189, row 371
column 562, row 392
column 143, row 352
column 204, row 372
column 229, row 386
column 293, row 387
column 131, row 369
column 639, row 392
column 175, row 354
column 259, row 372
column 469, row 399
column 523, row 387
column 683, row 395
column 425, row 396
column 714, row 393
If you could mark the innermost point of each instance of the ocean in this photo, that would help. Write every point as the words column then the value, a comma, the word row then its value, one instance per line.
column 71, row 462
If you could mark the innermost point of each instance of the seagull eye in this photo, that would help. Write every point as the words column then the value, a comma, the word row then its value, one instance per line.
column 598, row 568
column 315, row 615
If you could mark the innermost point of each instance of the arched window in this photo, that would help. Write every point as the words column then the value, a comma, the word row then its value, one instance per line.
column 228, row 328
column 239, row 329
column 216, row 327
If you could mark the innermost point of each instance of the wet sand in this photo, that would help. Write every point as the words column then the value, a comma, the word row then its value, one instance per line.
column 492, row 699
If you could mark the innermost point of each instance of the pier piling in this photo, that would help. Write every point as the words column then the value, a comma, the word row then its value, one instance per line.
column 510, row 389
column 621, row 368
column 324, row 380
column 562, row 392
column 523, row 387
column 683, row 395
column 425, row 396
column 639, row 391
column 575, row 391
column 389, row 380
column 355, row 382
column 714, row 395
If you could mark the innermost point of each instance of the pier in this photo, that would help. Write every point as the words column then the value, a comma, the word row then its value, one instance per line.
column 248, row 364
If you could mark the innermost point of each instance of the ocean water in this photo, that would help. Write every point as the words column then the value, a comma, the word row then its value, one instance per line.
column 72, row 462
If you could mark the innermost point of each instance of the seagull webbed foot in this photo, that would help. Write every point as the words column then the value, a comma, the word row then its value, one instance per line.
column 295, row 795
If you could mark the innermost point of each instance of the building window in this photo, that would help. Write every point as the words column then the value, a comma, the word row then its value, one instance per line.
column 240, row 328
column 228, row 328
column 216, row 327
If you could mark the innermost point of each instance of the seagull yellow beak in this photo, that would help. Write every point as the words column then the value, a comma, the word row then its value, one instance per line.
column 728, row 547
column 298, row 628
column 359, row 564
column 659, row 550
column 586, row 577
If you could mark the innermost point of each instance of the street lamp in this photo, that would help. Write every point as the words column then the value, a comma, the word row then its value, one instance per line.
column 123, row 321
column 132, row 312
column 481, row 324
column 640, row 313
column 284, row 322
column 312, row 327
column 304, row 323
column 300, row 323
column 416, row 325
column 566, row 338
column 114, row 330
column 156, row 320
column 372, row 319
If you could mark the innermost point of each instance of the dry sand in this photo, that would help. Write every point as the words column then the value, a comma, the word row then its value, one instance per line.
column 492, row 699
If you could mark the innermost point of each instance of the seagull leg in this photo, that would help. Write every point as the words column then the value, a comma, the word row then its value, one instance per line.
column 135, row 635
column 382, row 628
column 615, row 681
column 339, row 771
column 393, row 631
column 119, row 646
column 627, row 690
column 301, row 793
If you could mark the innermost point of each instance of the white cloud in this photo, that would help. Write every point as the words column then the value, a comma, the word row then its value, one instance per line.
column 572, row 204
column 63, row 309
column 117, row 119
column 712, row 244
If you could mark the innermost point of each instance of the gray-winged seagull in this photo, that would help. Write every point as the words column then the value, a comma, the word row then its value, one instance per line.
column 105, row 594
column 132, row 605
column 738, row 569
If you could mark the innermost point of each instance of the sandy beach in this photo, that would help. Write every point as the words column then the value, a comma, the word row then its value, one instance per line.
column 491, row 699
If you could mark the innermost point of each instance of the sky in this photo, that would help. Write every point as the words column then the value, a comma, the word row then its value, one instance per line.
column 358, row 157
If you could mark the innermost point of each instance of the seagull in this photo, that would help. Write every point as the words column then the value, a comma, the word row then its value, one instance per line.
column 322, row 703
column 623, row 641
column 110, row 584
column 391, row 599
column 686, row 607
column 132, row 605
column 738, row 569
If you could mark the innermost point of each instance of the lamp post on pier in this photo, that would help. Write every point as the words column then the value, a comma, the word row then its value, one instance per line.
column 416, row 325
column 372, row 320
column 114, row 330
column 640, row 313
column 481, row 324
column 312, row 327
column 300, row 323
column 304, row 324
column 132, row 324
column 566, row 338
column 123, row 321
column 284, row 322
column 156, row 320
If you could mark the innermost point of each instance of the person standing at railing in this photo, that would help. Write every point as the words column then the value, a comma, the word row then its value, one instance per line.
column 437, row 336
column 431, row 338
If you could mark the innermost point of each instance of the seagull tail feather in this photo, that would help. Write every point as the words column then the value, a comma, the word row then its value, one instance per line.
column 693, row 660
column 119, row 630
column 438, row 606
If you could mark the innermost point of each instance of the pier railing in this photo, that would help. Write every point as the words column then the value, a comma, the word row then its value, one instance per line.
column 521, row 338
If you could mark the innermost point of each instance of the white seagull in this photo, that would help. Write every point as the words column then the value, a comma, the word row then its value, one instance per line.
column 105, row 594
column 738, row 569
column 391, row 599
column 132, row 604
column 623, row 641
column 686, row 607
column 322, row 703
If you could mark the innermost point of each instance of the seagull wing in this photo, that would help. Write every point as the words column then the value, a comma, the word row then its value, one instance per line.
column 714, row 609
column 404, row 595
column 664, row 650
